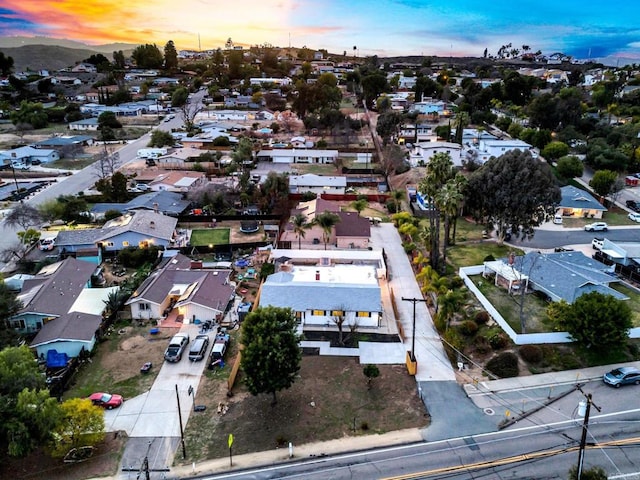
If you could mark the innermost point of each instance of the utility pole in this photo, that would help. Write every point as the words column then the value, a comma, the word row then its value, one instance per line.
column 585, row 428
column 413, row 336
column 184, row 449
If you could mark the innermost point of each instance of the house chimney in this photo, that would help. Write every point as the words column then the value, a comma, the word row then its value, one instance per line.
column 156, row 207
column 317, row 275
column 152, row 224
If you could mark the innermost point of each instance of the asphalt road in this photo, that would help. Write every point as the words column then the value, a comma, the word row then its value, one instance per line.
column 541, row 452
column 545, row 239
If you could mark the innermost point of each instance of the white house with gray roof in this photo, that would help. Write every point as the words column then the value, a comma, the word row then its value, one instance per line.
column 317, row 183
column 561, row 276
column 318, row 294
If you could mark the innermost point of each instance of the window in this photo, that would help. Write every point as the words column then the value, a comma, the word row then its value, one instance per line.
column 109, row 244
column 318, row 313
column 144, row 306
column 125, row 243
column 364, row 314
column 337, row 313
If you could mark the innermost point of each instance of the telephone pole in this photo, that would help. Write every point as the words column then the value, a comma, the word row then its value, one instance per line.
column 413, row 336
column 585, row 429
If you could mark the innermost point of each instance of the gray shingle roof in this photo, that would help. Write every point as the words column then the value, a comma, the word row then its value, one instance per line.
column 58, row 286
column 71, row 326
column 567, row 275
column 573, row 197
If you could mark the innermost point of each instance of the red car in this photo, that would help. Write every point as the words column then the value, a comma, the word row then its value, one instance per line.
column 106, row 400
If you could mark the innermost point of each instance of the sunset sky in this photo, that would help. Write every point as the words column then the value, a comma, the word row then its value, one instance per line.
column 383, row 28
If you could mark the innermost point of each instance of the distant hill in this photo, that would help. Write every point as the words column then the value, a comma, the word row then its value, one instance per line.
column 106, row 49
column 50, row 57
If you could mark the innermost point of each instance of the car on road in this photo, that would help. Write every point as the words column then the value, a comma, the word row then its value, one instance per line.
column 634, row 216
column 176, row 347
column 622, row 376
column 596, row 227
column 633, row 205
column 106, row 400
column 47, row 244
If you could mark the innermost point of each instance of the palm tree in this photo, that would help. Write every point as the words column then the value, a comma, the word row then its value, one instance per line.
column 326, row 220
column 448, row 199
column 300, row 226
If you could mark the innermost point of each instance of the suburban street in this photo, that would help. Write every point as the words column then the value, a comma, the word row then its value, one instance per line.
column 544, row 446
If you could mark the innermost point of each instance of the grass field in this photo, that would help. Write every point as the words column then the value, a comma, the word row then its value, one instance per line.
column 210, row 236
column 474, row 254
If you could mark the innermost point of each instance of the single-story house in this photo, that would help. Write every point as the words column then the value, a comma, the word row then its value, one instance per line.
column 424, row 151
column 622, row 253
column 184, row 286
column 561, row 276
column 318, row 294
column 76, row 330
column 50, row 293
column 141, row 229
column 87, row 124
column 352, row 231
column 181, row 155
column 496, row 148
column 167, row 203
column 28, row 153
column 178, row 181
column 317, row 184
column 579, row 203
column 313, row 236
column 283, row 155
column 63, row 141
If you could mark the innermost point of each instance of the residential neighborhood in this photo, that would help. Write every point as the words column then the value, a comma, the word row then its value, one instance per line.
column 366, row 241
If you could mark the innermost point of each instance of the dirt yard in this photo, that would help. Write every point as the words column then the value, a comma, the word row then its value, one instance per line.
column 325, row 402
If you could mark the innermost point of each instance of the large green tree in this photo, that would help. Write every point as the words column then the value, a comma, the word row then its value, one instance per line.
column 9, row 306
column 6, row 65
column 513, row 191
column 594, row 320
column 603, row 181
column 148, row 56
column 82, row 424
column 170, row 56
column 27, row 412
column 30, row 114
column 271, row 356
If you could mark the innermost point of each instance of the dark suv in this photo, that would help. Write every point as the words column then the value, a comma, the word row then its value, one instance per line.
column 633, row 205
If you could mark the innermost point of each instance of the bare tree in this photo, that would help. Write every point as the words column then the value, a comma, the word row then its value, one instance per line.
column 24, row 216
column 189, row 111
column 108, row 163
column 339, row 317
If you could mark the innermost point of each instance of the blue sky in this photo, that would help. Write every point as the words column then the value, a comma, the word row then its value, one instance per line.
column 393, row 27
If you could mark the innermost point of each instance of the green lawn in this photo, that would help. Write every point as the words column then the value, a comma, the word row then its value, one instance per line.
column 210, row 236
column 633, row 302
column 474, row 254
column 73, row 164
column 315, row 168
column 533, row 308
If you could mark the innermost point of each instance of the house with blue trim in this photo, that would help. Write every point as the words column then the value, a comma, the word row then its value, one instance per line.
column 140, row 229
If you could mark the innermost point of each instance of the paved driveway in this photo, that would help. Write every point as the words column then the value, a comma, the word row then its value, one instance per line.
column 433, row 363
column 155, row 412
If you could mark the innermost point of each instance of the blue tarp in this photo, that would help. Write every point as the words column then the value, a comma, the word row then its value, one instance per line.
column 56, row 360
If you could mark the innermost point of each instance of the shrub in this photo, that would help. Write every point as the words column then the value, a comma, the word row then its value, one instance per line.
column 503, row 365
column 456, row 282
column 498, row 340
column 469, row 328
column 409, row 247
column 489, row 258
column 452, row 337
column 531, row 353
column 308, row 196
column 481, row 344
column 391, row 206
column 111, row 214
column 482, row 317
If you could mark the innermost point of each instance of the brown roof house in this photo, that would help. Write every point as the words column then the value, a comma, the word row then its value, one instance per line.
column 181, row 286
column 352, row 231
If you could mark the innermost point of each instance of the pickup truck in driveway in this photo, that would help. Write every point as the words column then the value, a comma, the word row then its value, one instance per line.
column 176, row 347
